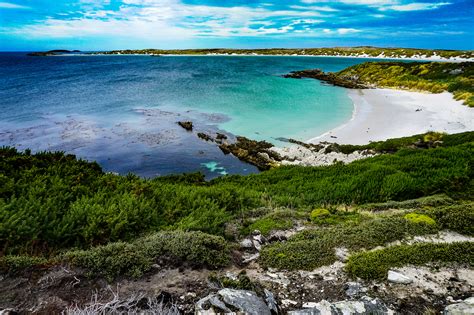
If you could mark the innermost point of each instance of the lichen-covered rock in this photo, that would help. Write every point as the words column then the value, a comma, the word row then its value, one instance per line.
column 230, row 300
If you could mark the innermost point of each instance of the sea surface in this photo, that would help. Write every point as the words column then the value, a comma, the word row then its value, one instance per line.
column 121, row 111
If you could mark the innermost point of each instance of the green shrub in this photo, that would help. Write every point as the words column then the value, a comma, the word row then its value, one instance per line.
column 419, row 219
column 135, row 258
column 375, row 264
column 458, row 218
column 423, row 202
column 14, row 264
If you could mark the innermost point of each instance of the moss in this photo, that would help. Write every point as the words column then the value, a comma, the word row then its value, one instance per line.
column 266, row 225
column 319, row 214
column 375, row 264
column 419, row 218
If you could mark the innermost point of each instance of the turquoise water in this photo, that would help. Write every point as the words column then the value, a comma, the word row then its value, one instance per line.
column 122, row 110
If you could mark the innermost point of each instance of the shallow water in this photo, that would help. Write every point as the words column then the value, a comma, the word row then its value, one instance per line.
column 122, row 110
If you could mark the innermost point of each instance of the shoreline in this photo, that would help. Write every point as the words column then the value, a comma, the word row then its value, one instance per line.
column 381, row 114
column 273, row 55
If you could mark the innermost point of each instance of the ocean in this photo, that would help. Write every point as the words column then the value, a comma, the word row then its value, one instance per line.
column 121, row 111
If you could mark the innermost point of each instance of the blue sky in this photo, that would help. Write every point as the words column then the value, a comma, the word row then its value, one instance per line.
column 116, row 24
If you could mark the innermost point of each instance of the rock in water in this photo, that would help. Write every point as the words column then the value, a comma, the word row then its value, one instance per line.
column 188, row 125
column 397, row 277
column 226, row 300
column 465, row 307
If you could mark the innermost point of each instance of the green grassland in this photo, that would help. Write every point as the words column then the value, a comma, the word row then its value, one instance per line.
column 55, row 208
column 336, row 51
column 434, row 77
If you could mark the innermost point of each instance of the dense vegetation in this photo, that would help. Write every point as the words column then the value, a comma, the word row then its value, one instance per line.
column 337, row 51
column 435, row 77
column 56, row 208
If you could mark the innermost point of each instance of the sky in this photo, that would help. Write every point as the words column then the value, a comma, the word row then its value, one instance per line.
column 27, row 25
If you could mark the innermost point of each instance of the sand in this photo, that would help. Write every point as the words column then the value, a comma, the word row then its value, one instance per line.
column 381, row 114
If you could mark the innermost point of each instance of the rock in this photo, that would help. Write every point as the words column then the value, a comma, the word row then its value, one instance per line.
column 188, row 125
column 397, row 277
column 229, row 300
column 354, row 288
column 331, row 78
column 465, row 307
column 249, row 258
column 342, row 253
column 271, row 302
column 246, row 243
column 365, row 305
column 277, row 236
column 204, row 136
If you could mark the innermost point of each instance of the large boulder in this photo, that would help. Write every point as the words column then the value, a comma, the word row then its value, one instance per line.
column 231, row 300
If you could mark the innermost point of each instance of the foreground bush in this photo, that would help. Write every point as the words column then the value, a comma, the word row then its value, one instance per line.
column 375, row 264
column 135, row 258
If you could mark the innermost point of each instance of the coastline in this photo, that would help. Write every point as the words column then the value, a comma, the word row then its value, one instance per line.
column 381, row 114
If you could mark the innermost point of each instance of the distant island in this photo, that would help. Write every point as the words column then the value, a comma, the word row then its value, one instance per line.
column 362, row 52
column 53, row 52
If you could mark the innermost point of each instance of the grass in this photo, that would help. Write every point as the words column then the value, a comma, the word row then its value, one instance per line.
column 315, row 248
column 375, row 264
column 50, row 202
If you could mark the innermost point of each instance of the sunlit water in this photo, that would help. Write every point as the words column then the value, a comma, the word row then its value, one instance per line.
column 121, row 111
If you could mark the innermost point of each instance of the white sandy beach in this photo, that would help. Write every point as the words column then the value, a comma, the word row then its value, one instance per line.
column 381, row 114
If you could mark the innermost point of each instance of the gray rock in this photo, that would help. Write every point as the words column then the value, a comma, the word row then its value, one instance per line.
column 465, row 307
column 354, row 288
column 226, row 300
column 397, row 277
column 365, row 305
column 277, row 236
column 271, row 302
column 246, row 243
column 249, row 258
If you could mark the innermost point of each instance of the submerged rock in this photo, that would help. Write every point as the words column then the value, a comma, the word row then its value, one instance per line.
column 188, row 125
column 231, row 300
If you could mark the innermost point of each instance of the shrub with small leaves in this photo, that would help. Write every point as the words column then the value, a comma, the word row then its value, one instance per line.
column 419, row 218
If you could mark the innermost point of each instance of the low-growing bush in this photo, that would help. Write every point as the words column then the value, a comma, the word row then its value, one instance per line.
column 429, row 201
column 458, row 218
column 314, row 248
column 14, row 264
column 137, row 257
column 375, row 264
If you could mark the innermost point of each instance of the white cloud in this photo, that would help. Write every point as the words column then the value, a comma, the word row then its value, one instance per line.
column 7, row 5
column 415, row 6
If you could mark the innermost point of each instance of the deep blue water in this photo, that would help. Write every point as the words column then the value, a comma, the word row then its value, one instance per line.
column 121, row 111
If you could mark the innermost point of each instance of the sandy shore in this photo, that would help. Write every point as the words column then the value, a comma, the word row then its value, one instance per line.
column 381, row 114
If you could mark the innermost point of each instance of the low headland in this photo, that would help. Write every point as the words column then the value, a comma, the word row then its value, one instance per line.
column 385, row 227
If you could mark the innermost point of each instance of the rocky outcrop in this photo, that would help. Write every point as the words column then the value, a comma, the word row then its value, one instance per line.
column 231, row 300
column 365, row 305
column 254, row 152
column 329, row 77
